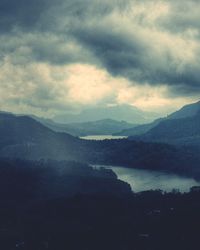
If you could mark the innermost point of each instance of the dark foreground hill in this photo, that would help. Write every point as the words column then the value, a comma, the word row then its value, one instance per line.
column 24, row 138
column 43, row 180
column 67, row 205
column 148, row 220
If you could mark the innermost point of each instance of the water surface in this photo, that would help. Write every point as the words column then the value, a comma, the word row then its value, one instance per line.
column 102, row 137
column 141, row 180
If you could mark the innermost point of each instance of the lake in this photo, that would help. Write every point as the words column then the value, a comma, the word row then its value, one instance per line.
column 141, row 180
column 102, row 137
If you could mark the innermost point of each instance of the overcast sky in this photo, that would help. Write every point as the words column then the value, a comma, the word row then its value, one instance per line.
column 61, row 55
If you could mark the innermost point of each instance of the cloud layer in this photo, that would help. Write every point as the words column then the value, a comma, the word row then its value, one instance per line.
column 61, row 54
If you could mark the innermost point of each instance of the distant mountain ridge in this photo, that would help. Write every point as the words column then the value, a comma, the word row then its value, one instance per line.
column 186, row 111
column 179, row 128
column 189, row 110
column 100, row 127
column 24, row 138
column 140, row 129
column 126, row 113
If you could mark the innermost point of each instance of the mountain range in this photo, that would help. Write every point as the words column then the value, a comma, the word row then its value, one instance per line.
column 100, row 127
column 187, row 111
column 180, row 128
column 124, row 112
column 184, row 131
column 25, row 138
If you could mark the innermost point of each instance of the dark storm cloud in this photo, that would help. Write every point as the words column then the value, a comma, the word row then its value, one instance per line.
column 135, row 57
column 183, row 15
column 22, row 13
column 136, row 60
column 41, row 30
column 109, row 34
column 30, row 14
column 116, row 51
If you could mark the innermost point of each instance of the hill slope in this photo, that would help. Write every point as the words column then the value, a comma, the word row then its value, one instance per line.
column 100, row 127
column 176, row 131
column 22, row 137
column 186, row 111
column 140, row 129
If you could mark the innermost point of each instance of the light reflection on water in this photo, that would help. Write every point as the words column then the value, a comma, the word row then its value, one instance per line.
column 102, row 137
column 141, row 180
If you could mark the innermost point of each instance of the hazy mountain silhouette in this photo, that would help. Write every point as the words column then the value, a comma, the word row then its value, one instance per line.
column 126, row 113
column 177, row 131
column 23, row 137
column 186, row 111
column 139, row 129
column 100, row 127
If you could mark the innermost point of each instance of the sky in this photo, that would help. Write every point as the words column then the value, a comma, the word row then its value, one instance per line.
column 59, row 56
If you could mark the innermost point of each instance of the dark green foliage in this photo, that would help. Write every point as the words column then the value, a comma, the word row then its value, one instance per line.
column 148, row 220
column 20, row 179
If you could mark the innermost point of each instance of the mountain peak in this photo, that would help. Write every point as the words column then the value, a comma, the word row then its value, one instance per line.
column 123, row 112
